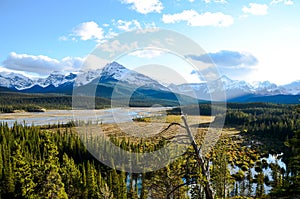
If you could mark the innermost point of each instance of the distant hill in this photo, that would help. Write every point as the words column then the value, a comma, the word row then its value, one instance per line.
column 278, row 99
column 145, row 91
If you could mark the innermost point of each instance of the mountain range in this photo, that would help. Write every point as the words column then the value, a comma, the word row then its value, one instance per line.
column 143, row 86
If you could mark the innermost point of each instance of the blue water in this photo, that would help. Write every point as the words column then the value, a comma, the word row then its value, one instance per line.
column 114, row 115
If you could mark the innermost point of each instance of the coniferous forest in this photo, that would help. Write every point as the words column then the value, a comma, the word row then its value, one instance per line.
column 52, row 161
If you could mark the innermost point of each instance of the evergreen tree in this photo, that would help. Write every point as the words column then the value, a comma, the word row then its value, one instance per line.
column 71, row 177
column 8, row 185
column 24, row 175
column 50, row 182
column 91, row 181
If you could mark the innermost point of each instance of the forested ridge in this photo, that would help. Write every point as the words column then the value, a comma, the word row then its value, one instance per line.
column 11, row 101
column 50, row 162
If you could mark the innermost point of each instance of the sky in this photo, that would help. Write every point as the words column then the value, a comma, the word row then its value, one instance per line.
column 252, row 40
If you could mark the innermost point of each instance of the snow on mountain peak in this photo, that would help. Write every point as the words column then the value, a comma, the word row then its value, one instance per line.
column 225, row 79
column 15, row 80
column 263, row 85
column 85, row 77
column 292, row 88
column 116, row 72
column 56, row 79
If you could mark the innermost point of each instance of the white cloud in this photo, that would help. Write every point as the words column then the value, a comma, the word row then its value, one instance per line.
column 193, row 18
column 63, row 38
column 256, row 9
column 151, row 25
column 116, row 46
column 216, row 1
column 88, row 30
column 85, row 31
column 132, row 25
column 146, row 53
column 285, row 2
column 92, row 31
column 93, row 62
column 111, row 34
column 228, row 59
column 40, row 64
column 128, row 25
column 71, row 63
column 145, row 6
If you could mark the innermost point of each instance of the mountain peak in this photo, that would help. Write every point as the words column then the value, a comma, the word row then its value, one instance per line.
column 11, row 74
column 113, row 70
column 225, row 77
column 113, row 66
column 225, row 80
column 15, row 80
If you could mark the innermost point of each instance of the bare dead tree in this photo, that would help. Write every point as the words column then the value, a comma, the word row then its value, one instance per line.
column 200, row 160
column 202, row 163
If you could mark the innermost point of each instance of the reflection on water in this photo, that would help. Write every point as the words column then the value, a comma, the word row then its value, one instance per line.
column 95, row 116
column 271, row 159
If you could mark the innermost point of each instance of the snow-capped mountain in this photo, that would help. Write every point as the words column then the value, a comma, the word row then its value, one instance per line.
column 115, row 72
column 292, row 88
column 110, row 72
column 87, row 77
column 15, row 80
column 235, row 88
column 205, row 91
column 266, row 88
column 56, row 79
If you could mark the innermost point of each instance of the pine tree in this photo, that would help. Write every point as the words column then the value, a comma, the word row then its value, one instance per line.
column 71, row 177
column 24, row 175
column 50, row 184
column 116, row 184
column 143, row 188
column 8, row 186
column 294, row 164
column 91, row 182
column 260, row 190
column 122, row 185
column 84, row 190
column 250, row 180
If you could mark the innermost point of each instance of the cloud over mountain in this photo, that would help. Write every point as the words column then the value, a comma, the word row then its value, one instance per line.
column 41, row 65
column 227, row 58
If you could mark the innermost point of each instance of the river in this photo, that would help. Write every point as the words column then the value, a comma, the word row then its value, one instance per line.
column 96, row 116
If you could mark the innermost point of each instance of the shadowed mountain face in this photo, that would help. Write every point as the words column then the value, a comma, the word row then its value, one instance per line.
column 114, row 81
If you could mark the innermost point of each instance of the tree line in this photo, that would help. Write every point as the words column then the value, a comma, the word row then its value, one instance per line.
column 38, row 162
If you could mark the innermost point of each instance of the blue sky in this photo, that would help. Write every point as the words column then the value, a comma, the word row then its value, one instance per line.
column 248, row 40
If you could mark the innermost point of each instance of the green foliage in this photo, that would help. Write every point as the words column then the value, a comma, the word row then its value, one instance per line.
column 142, row 119
column 23, row 175
column 71, row 176
column 36, row 162
column 41, row 164
column 11, row 102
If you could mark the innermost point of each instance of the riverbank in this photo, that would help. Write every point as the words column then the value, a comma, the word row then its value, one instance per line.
column 64, row 116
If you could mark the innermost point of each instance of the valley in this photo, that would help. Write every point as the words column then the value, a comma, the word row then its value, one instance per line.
column 82, row 128
column 150, row 99
column 129, row 80
column 253, row 156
